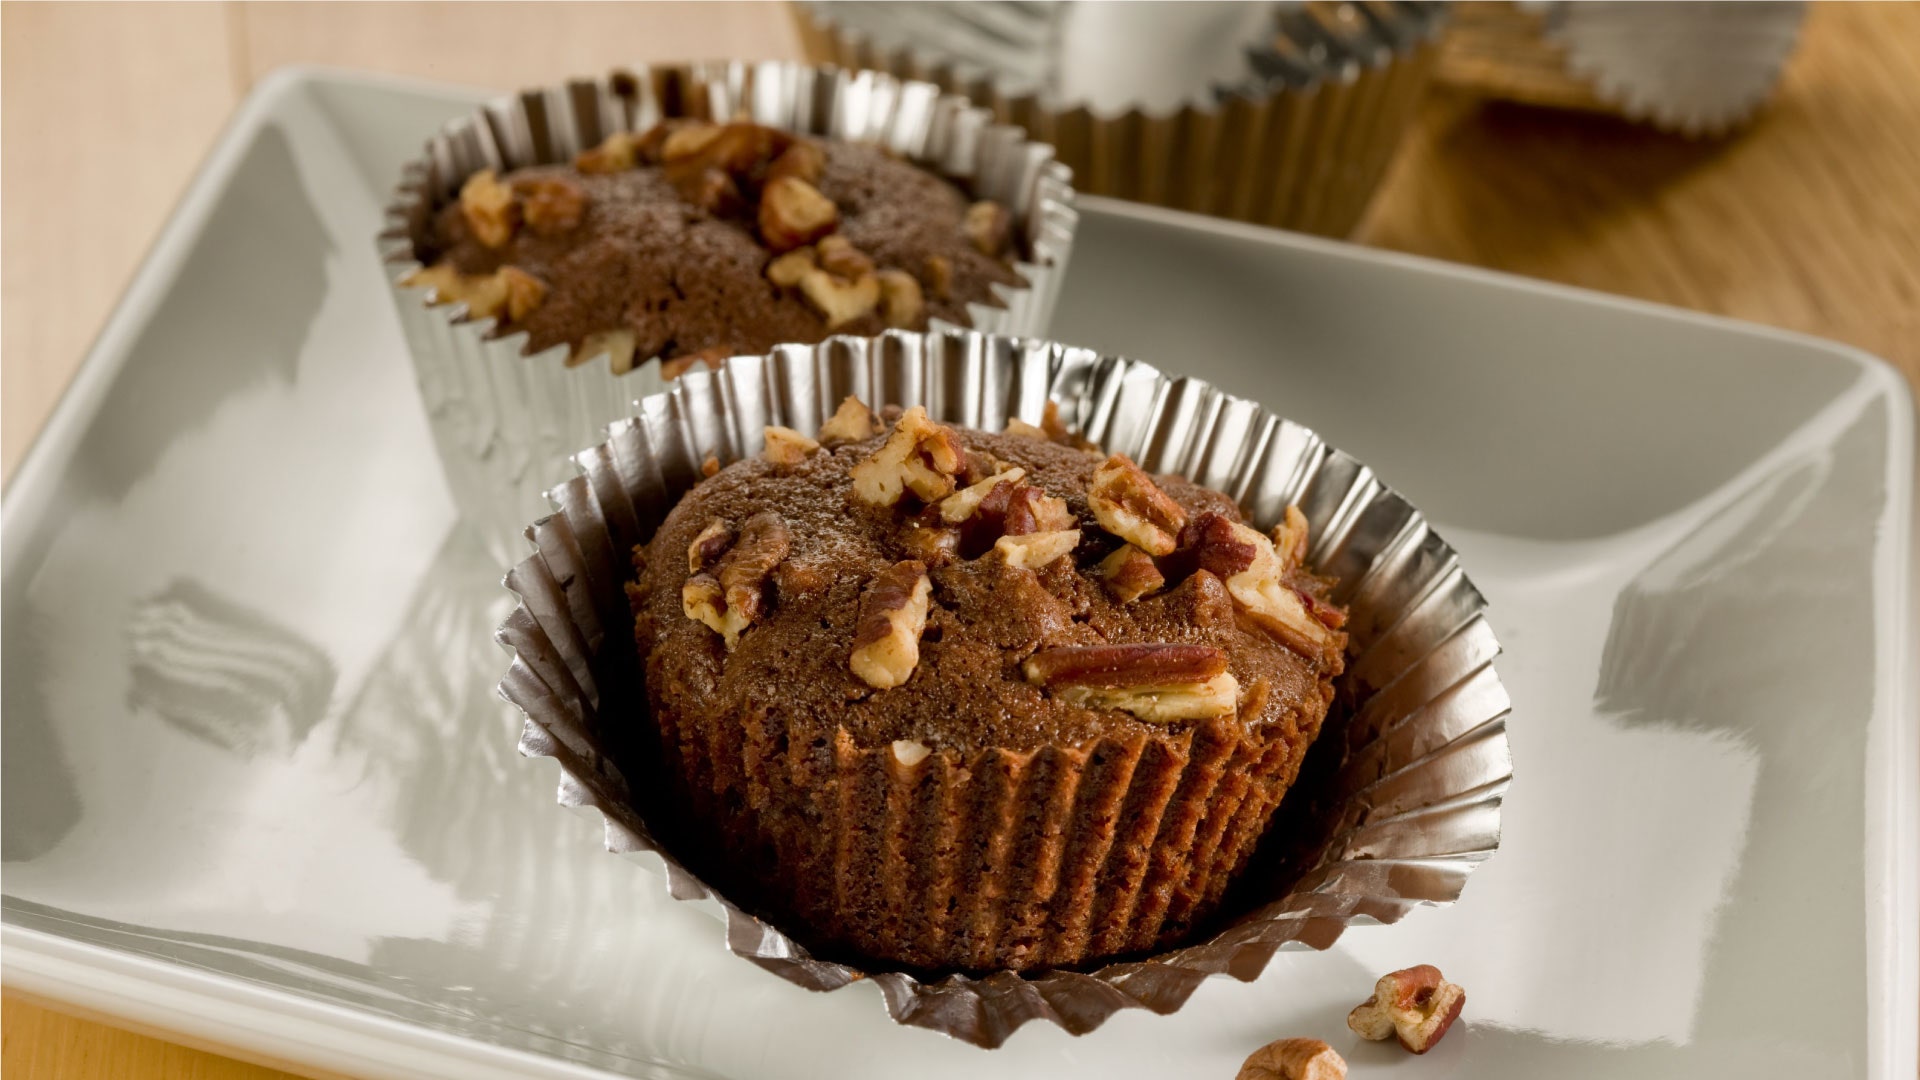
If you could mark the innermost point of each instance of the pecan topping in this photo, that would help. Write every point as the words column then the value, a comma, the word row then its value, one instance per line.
column 1157, row 681
column 793, row 214
column 1127, row 503
column 787, row 447
column 989, row 226
column 1031, row 510
column 929, row 541
column 940, row 276
column 550, row 205
column 1031, row 551
column 686, row 140
column 1294, row 1059
column 1017, row 426
column 802, row 161
column 920, row 456
column 901, row 304
column 1290, row 538
column 1415, row 1005
column 713, row 356
column 1212, row 543
column 851, row 422
column 617, row 153
column 709, row 189
column 1115, row 666
column 837, row 256
column 714, row 541
column 619, row 345
column 489, row 207
column 893, row 613
column 524, row 291
column 789, row 270
column 729, row 592
column 484, row 294
column 1276, row 607
column 910, row 752
column 838, row 300
column 964, row 503
column 1130, row 574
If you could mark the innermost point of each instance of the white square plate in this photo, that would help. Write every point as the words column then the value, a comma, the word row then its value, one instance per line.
column 259, row 793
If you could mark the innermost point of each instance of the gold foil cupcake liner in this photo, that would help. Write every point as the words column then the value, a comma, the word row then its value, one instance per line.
column 503, row 422
column 1398, row 800
column 1301, row 142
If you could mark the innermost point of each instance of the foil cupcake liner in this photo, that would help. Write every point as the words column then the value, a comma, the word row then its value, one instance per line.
column 1300, row 142
column 1398, row 800
column 503, row 422
column 1692, row 68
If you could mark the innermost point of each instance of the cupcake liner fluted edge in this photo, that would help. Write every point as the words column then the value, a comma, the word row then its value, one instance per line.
column 503, row 422
column 1400, row 798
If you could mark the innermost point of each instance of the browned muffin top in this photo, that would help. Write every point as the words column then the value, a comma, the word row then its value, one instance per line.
column 952, row 590
column 698, row 241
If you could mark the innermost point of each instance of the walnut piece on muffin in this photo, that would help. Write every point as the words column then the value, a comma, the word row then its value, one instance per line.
column 972, row 700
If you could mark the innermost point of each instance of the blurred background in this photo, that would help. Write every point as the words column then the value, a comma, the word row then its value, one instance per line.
column 1750, row 160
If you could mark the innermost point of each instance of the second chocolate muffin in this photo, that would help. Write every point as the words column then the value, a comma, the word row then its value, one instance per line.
column 696, row 241
column 968, row 701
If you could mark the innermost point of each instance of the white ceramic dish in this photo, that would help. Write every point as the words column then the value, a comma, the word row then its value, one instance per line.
column 258, row 793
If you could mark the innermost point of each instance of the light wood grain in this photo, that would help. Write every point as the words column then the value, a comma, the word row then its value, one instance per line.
column 107, row 110
column 1810, row 221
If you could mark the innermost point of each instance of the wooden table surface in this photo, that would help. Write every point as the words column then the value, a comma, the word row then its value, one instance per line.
column 1810, row 220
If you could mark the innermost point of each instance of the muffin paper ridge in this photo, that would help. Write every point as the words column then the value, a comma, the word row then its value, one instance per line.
column 502, row 421
column 1411, row 782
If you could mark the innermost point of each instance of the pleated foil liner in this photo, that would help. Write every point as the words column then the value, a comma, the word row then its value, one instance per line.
column 1399, row 798
column 504, row 422
column 1301, row 143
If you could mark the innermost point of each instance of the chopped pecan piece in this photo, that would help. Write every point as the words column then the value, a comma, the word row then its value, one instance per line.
column 793, row 214
column 1110, row 667
column 714, row 541
column 910, row 752
column 729, row 593
column 1211, row 542
column 714, row 357
column 901, row 304
column 489, row 208
column 1017, row 426
column 618, row 345
column 710, row 189
column 550, row 205
column 940, row 276
column 964, row 503
column 1031, row 510
column 1290, row 538
column 851, row 422
column 789, row 270
column 1127, row 503
column 838, row 300
column 930, row 541
column 1031, row 551
column 524, row 292
column 837, row 256
column 989, row 227
column 484, row 294
column 803, row 161
column 787, row 447
column 618, row 152
column 893, row 613
column 1276, row 607
column 684, row 141
column 1415, row 1005
column 1130, row 574
column 709, row 466
column 920, row 456
column 1294, row 1059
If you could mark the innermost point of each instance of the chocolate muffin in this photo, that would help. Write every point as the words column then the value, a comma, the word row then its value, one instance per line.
column 697, row 241
column 954, row 700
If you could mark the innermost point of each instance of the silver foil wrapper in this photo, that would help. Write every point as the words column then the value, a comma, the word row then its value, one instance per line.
column 1299, row 141
column 1397, row 804
column 504, row 422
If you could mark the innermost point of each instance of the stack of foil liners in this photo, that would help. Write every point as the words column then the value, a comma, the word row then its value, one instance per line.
column 1289, row 121
column 1398, row 801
